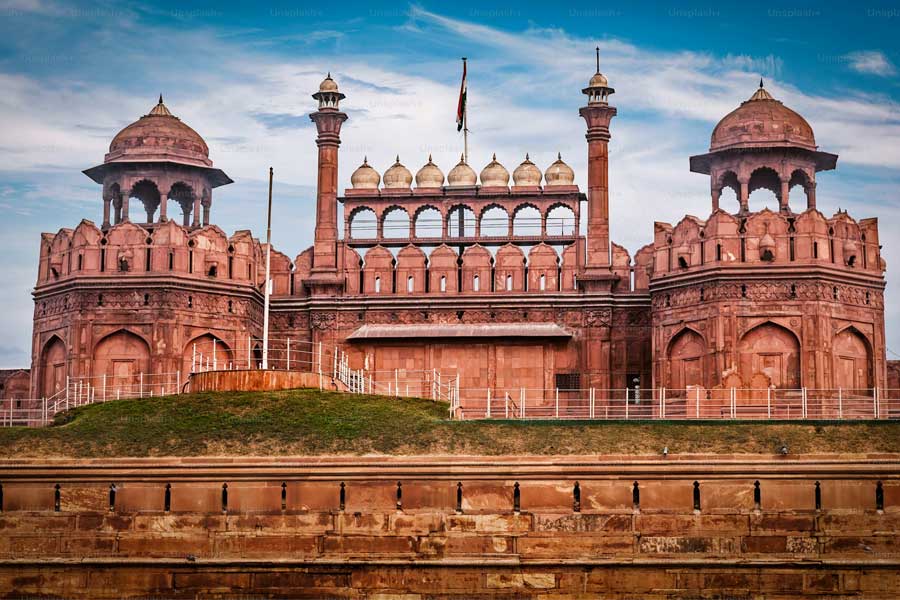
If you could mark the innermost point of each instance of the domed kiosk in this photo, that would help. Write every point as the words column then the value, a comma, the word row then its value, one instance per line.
column 763, row 144
column 156, row 159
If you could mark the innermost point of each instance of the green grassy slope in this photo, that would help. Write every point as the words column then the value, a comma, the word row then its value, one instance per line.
column 310, row 422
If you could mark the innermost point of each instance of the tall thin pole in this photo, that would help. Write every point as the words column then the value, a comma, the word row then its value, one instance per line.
column 265, row 356
column 465, row 122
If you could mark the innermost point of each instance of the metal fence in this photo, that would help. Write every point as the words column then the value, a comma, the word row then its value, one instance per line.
column 331, row 363
column 670, row 404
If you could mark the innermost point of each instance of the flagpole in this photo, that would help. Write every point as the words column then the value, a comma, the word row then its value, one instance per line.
column 466, row 121
column 265, row 356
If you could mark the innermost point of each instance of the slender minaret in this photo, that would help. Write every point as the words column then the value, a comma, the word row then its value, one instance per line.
column 598, row 114
column 328, row 120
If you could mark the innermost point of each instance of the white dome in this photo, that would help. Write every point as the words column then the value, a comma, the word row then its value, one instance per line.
column 461, row 175
column 397, row 177
column 494, row 174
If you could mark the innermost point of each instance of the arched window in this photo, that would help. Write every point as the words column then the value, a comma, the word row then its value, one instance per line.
column 461, row 222
column 543, row 282
column 764, row 188
column 410, row 284
column 527, row 221
column 509, row 282
column 476, row 283
column 560, row 221
column 444, row 283
column 494, row 222
column 378, row 285
column 363, row 224
column 429, row 223
column 395, row 223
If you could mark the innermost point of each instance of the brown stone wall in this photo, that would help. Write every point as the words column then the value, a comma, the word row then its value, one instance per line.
column 285, row 528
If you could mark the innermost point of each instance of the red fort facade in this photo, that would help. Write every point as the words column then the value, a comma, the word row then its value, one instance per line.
column 504, row 281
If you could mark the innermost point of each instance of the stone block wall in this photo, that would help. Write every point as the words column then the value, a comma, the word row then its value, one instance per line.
column 294, row 531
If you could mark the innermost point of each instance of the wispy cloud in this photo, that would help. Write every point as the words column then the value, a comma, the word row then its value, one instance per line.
column 871, row 62
column 250, row 102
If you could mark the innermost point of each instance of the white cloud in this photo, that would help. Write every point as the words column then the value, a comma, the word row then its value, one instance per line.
column 251, row 107
column 871, row 62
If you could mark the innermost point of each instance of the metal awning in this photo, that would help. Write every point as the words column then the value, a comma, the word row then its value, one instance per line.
column 491, row 330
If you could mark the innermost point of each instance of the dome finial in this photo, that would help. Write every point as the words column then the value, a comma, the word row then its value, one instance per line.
column 760, row 83
column 527, row 157
column 160, row 98
column 429, row 157
column 494, row 157
column 598, row 58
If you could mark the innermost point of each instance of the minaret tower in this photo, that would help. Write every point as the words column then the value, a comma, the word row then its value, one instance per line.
column 597, row 114
column 328, row 120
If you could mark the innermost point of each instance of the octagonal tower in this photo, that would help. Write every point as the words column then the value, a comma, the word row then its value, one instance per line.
column 767, row 301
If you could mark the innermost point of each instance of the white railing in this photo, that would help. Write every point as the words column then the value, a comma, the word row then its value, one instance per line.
column 670, row 404
column 410, row 383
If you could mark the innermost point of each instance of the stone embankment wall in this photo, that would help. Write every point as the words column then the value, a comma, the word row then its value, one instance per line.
column 257, row 381
column 417, row 528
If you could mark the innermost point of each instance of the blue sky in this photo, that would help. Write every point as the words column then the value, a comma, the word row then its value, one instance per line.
column 73, row 74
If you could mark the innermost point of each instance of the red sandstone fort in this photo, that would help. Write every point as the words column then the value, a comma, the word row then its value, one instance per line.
column 503, row 285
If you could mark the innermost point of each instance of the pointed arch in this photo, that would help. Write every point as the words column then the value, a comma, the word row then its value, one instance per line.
column 53, row 366
column 774, row 351
column 852, row 352
column 121, row 355
column 201, row 348
column 685, row 353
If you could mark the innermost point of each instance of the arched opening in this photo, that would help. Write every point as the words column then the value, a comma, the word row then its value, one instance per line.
column 114, row 198
column 461, row 222
column 686, row 351
column 363, row 224
column 443, row 283
column 729, row 188
column 494, row 222
column 527, row 221
column 257, row 356
column 122, row 357
column 378, row 285
column 560, row 221
column 852, row 360
column 476, row 283
column 148, row 194
column 429, row 223
column 182, row 196
column 772, row 350
column 206, row 352
column 764, row 189
column 799, row 178
column 395, row 223
column 53, row 367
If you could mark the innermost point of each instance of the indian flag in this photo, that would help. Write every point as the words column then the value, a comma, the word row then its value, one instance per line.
column 461, row 106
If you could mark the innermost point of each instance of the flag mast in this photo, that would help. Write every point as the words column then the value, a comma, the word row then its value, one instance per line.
column 465, row 119
column 265, row 355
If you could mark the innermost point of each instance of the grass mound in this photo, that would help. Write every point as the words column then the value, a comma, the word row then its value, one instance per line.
column 312, row 422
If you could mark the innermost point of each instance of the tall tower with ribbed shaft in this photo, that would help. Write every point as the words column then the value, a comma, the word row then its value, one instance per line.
column 597, row 114
column 328, row 120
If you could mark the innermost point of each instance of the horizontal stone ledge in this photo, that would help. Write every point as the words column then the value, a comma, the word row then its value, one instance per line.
column 479, row 562
column 447, row 468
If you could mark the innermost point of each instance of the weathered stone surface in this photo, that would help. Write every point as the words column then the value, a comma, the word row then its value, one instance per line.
column 521, row 580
